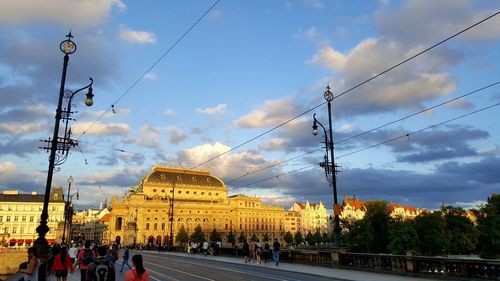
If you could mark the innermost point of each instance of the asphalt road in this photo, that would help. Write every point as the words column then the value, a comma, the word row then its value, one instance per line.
column 164, row 267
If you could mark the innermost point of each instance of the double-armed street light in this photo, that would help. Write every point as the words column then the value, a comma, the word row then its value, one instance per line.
column 59, row 146
column 329, row 165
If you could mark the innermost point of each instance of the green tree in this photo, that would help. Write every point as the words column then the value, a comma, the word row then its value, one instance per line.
column 231, row 238
column 182, row 235
column 198, row 236
column 310, row 238
column 298, row 237
column 463, row 234
column 432, row 233
column 288, row 238
column 325, row 238
column 375, row 229
column 215, row 236
column 403, row 237
column 317, row 237
column 254, row 237
column 266, row 237
column 242, row 238
column 489, row 228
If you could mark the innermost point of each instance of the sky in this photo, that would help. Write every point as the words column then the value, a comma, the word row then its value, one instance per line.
column 231, row 87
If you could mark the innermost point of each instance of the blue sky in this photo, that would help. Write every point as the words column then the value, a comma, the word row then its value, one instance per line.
column 246, row 67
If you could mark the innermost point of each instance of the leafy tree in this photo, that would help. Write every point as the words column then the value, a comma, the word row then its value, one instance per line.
column 463, row 234
column 288, row 238
column 325, row 237
column 242, row 238
column 198, row 236
column 231, row 238
column 317, row 237
column 182, row 235
column 376, row 226
column 489, row 228
column 254, row 237
column 310, row 238
column 266, row 237
column 432, row 233
column 403, row 237
column 298, row 237
column 215, row 236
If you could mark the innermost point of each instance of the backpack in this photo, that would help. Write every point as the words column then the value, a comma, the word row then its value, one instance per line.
column 101, row 271
column 266, row 247
column 87, row 257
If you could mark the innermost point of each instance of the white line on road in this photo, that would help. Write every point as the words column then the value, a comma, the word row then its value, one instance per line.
column 184, row 272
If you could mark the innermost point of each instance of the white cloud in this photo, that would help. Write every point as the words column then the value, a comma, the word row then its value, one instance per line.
column 19, row 129
column 311, row 33
column 119, row 4
column 150, row 76
column 103, row 114
column 141, row 37
column 147, row 137
column 170, row 112
column 276, row 144
column 218, row 109
column 271, row 113
column 75, row 13
column 175, row 136
column 100, row 128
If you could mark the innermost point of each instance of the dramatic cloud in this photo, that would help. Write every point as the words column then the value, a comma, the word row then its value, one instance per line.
column 218, row 109
column 79, row 13
column 271, row 113
column 141, row 37
column 18, row 178
column 100, row 128
column 20, row 147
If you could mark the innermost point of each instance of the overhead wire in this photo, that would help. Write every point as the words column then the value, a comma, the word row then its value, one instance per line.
column 351, row 88
column 92, row 173
column 112, row 107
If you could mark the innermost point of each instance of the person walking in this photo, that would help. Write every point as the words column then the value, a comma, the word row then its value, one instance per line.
column 31, row 271
column 84, row 259
column 73, row 253
column 276, row 251
column 126, row 256
column 62, row 262
column 246, row 250
column 101, row 269
column 251, row 246
column 266, row 251
column 139, row 273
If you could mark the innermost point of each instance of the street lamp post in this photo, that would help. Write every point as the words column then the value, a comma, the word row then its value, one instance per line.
column 329, row 166
column 171, row 217
column 67, row 208
column 57, row 144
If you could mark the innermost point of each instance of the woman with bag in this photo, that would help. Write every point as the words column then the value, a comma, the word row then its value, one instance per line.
column 31, row 271
column 138, row 273
column 62, row 262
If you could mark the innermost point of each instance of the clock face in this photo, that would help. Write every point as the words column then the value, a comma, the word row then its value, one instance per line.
column 68, row 47
column 328, row 96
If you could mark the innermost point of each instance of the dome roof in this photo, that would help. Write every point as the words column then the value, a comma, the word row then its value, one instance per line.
column 170, row 175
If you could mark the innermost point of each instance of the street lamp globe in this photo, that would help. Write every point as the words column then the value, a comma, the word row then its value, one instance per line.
column 67, row 46
column 315, row 129
column 89, row 101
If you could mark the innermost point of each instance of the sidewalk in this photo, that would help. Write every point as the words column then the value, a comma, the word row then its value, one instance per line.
column 345, row 274
column 76, row 275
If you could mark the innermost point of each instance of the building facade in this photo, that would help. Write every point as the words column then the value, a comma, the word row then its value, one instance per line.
column 20, row 216
column 168, row 198
column 354, row 209
column 307, row 217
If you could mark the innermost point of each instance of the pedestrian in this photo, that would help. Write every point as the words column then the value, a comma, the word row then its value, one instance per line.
column 62, row 262
column 276, row 251
column 84, row 259
column 31, row 271
column 139, row 273
column 251, row 246
column 246, row 251
column 205, row 248
column 112, row 255
column 126, row 256
column 258, row 251
column 266, row 251
column 73, row 253
column 101, row 269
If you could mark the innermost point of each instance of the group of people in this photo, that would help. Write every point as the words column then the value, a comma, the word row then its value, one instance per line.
column 255, row 251
column 204, row 248
column 95, row 263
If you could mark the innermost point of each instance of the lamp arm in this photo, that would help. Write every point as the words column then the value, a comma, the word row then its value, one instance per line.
column 81, row 89
column 316, row 121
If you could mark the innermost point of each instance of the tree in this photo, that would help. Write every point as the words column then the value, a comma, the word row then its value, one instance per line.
column 403, row 237
column 198, row 236
column 463, row 234
column 310, row 238
column 266, row 237
column 432, row 233
column 298, row 237
column 325, row 237
column 317, row 237
column 375, row 229
column 231, row 238
column 288, row 238
column 489, row 228
column 182, row 235
column 215, row 236
column 242, row 238
column 254, row 237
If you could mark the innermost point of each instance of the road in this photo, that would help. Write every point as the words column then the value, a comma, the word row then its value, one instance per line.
column 185, row 268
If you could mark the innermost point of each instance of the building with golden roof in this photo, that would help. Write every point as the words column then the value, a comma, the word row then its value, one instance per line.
column 197, row 198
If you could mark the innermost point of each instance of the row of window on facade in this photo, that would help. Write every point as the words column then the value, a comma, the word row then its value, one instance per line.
column 265, row 220
column 28, row 208
column 256, row 227
column 187, row 192
column 24, row 218
column 22, row 230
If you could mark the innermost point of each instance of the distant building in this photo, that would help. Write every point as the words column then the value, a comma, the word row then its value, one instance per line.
column 20, row 216
column 309, row 217
column 354, row 209
column 91, row 224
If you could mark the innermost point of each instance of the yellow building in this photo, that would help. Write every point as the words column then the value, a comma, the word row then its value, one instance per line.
column 310, row 217
column 198, row 199
column 353, row 209
column 20, row 216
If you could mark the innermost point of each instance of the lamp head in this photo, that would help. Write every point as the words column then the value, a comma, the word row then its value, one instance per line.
column 70, row 179
column 67, row 46
column 89, row 101
column 78, row 195
column 315, row 129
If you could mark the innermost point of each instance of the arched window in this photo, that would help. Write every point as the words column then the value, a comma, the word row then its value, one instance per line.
column 118, row 223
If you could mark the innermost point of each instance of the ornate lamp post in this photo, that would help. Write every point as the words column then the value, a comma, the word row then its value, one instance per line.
column 329, row 166
column 67, row 208
column 58, row 144
column 171, row 217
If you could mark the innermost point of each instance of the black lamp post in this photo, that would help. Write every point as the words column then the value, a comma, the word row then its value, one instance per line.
column 67, row 208
column 59, row 147
column 171, row 217
column 329, row 166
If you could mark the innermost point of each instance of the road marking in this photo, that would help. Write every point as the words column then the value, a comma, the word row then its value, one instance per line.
column 234, row 270
column 184, row 272
column 159, row 273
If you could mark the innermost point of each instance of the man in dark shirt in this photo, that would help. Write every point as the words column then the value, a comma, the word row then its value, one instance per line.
column 276, row 251
column 96, row 270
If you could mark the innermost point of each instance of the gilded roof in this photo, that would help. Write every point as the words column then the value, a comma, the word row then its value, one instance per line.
column 170, row 175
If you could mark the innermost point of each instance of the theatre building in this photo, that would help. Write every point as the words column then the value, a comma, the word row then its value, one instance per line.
column 190, row 198
column 20, row 216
